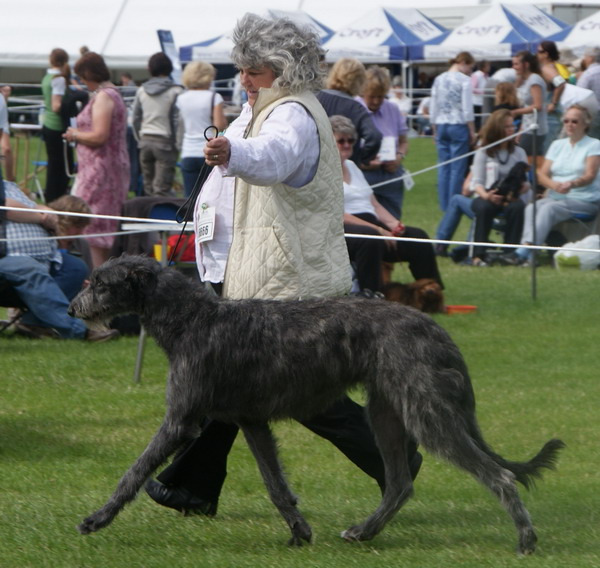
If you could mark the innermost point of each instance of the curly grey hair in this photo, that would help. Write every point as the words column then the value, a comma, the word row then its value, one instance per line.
column 342, row 125
column 294, row 54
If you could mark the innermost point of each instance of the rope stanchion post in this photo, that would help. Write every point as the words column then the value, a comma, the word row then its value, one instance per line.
column 534, row 151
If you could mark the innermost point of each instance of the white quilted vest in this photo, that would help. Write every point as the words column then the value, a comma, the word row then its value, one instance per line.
column 288, row 242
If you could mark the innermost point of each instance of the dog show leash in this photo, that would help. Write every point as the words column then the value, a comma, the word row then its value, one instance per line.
column 183, row 214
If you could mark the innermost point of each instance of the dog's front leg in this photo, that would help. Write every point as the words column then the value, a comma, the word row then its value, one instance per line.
column 261, row 442
column 166, row 441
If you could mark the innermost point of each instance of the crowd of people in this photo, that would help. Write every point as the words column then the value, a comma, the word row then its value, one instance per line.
column 134, row 136
column 308, row 160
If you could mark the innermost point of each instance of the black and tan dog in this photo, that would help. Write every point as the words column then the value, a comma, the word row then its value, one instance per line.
column 253, row 361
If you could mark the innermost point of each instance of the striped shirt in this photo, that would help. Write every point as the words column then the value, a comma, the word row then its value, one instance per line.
column 28, row 239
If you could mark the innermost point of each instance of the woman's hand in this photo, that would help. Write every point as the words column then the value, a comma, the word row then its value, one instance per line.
column 563, row 187
column 71, row 134
column 384, row 233
column 493, row 196
column 217, row 151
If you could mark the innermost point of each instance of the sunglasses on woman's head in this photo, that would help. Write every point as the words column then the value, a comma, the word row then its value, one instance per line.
column 570, row 120
column 350, row 141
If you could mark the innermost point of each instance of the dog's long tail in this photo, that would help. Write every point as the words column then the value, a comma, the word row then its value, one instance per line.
column 527, row 472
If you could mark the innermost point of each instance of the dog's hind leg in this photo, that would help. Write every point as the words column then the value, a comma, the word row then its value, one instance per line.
column 392, row 440
column 261, row 442
column 166, row 441
column 501, row 482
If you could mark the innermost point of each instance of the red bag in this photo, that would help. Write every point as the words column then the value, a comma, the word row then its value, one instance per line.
column 185, row 251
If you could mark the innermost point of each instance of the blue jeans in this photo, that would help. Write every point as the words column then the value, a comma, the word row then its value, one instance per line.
column 452, row 140
column 459, row 205
column 71, row 275
column 39, row 291
column 194, row 171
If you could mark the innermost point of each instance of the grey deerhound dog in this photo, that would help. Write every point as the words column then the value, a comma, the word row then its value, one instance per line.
column 252, row 361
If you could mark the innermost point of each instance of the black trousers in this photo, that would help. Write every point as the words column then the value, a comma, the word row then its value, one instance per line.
column 57, row 180
column 368, row 254
column 485, row 211
column 201, row 467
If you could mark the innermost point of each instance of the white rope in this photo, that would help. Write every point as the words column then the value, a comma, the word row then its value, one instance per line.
column 93, row 216
column 457, row 158
column 470, row 243
column 347, row 235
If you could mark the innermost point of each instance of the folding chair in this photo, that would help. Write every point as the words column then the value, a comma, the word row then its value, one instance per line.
column 160, row 211
column 578, row 226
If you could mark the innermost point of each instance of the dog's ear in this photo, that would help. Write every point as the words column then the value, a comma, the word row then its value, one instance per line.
column 142, row 277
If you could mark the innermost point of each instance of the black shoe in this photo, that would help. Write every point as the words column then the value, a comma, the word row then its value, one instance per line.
column 179, row 499
column 512, row 259
column 440, row 249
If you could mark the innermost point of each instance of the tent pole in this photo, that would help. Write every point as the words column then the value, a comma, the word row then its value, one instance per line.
column 113, row 27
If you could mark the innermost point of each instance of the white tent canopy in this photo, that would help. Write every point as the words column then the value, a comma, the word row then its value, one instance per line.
column 218, row 49
column 383, row 34
column 123, row 31
column 497, row 33
column 579, row 37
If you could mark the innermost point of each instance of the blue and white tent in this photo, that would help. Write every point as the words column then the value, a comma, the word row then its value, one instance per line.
column 382, row 35
column 218, row 49
column 498, row 33
column 580, row 36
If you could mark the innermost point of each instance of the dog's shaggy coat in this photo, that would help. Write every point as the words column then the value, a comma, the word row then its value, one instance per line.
column 252, row 361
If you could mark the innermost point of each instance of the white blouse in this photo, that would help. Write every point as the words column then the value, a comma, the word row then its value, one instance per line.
column 357, row 193
column 285, row 151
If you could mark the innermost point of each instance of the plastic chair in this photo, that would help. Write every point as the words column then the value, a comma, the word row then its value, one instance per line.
column 578, row 226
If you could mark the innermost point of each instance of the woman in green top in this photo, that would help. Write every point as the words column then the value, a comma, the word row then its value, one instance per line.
column 54, row 86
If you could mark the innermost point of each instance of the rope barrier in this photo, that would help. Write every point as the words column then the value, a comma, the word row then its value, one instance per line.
column 457, row 158
column 177, row 225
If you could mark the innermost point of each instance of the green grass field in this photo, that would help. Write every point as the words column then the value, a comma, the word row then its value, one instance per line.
column 72, row 421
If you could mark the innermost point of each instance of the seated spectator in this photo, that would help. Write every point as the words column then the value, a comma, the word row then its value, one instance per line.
column 363, row 214
column 505, row 96
column 490, row 167
column 460, row 204
column 386, row 169
column 72, row 272
column 44, row 278
column 570, row 174
column 345, row 81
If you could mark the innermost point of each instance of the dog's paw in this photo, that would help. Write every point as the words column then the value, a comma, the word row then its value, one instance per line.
column 355, row 534
column 527, row 542
column 301, row 531
column 94, row 522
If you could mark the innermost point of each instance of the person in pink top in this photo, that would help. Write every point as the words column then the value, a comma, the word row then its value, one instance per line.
column 103, row 170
